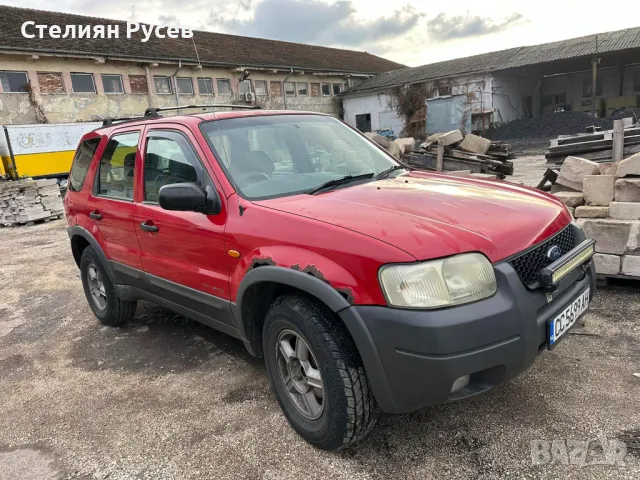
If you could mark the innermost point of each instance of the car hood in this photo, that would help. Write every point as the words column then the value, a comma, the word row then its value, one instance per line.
column 436, row 215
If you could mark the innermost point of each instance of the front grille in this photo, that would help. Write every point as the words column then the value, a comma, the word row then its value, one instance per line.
column 529, row 263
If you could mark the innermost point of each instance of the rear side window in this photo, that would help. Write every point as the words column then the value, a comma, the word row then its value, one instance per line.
column 81, row 163
column 117, row 166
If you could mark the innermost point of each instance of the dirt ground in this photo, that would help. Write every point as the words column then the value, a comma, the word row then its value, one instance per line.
column 167, row 398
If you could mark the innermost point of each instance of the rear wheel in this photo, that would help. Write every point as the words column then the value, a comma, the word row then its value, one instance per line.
column 100, row 293
column 317, row 374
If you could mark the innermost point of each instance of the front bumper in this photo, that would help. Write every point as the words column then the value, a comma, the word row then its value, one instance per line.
column 412, row 358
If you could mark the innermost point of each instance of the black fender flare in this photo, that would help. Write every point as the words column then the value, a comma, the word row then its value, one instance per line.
column 77, row 230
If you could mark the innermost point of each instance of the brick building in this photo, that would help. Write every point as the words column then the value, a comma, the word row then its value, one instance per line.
column 67, row 80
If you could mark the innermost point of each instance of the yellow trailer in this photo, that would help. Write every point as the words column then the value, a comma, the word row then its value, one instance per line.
column 43, row 150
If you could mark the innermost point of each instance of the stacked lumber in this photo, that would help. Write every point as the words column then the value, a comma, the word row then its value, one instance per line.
column 605, row 199
column 596, row 146
column 464, row 152
column 26, row 201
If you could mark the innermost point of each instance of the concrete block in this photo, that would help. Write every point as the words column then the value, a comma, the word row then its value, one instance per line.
column 408, row 143
column 611, row 236
column 627, row 190
column 474, row 143
column 629, row 166
column 598, row 189
column 631, row 265
column 604, row 167
column 624, row 210
column 555, row 188
column 46, row 182
column 380, row 140
column 573, row 171
column 591, row 212
column 607, row 264
column 448, row 138
column 394, row 149
column 571, row 199
column 485, row 176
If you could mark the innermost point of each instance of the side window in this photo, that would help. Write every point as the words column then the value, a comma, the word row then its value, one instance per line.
column 169, row 158
column 117, row 166
column 81, row 163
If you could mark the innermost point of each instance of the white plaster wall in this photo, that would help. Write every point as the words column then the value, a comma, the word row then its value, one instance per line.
column 378, row 105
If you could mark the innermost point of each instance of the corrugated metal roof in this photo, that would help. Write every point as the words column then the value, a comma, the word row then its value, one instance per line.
column 506, row 59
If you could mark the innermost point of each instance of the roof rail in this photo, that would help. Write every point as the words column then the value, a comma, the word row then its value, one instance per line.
column 153, row 111
column 110, row 121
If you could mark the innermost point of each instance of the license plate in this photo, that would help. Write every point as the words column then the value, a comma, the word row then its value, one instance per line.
column 565, row 319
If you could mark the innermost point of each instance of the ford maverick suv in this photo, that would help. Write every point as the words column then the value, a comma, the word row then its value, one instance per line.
column 365, row 285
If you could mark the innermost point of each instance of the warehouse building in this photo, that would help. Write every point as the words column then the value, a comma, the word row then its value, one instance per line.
column 597, row 74
column 68, row 80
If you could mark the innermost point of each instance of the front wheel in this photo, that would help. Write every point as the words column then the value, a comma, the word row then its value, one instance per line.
column 317, row 374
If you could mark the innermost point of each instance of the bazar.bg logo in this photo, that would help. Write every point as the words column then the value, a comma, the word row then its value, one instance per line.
column 579, row 453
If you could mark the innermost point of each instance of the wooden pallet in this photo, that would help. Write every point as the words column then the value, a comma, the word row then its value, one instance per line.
column 606, row 280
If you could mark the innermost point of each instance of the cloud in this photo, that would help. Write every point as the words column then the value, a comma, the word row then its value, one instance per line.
column 313, row 21
column 444, row 27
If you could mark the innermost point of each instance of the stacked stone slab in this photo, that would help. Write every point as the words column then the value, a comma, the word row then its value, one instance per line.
column 606, row 202
column 26, row 200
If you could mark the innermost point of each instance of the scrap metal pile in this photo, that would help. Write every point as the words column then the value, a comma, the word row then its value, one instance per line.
column 463, row 153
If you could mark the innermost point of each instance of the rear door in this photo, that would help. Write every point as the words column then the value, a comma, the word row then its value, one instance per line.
column 110, row 203
column 183, row 252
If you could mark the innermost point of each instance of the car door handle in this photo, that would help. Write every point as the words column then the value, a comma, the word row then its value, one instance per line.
column 148, row 227
column 95, row 215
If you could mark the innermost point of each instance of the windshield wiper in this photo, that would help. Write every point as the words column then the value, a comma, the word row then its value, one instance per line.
column 387, row 172
column 339, row 181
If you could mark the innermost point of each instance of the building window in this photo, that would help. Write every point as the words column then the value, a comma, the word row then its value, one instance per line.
column 244, row 87
column 185, row 85
column 205, row 86
column 163, row 85
column 326, row 89
column 83, row 83
column 224, row 86
column 14, row 82
column 337, row 88
column 444, row 90
column 587, row 83
column 289, row 88
column 261, row 87
column 138, row 84
column 303, row 89
column 275, row 89
column 112, row 83
column 554, row 100
column 636, row 82
column 363, row 122
column 50, row 82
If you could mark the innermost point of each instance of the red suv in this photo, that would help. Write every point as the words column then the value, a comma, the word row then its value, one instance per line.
column 365, row 285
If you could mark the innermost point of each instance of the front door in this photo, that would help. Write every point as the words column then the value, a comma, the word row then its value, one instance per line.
column 183, row 252
column 110, row 205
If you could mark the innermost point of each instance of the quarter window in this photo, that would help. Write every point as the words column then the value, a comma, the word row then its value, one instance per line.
column 163, row 85
column 224, row 86
column 112, row 84
column 205, row 86
column 169, row 158
column 185, row 86
column 83, row 83
column 81, row 163
column 117, row 166
column 14, row 82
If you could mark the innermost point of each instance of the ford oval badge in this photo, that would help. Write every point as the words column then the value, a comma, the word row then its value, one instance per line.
column 554, row 253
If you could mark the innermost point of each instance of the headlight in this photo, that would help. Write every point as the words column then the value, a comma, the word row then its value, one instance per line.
column 439, row 283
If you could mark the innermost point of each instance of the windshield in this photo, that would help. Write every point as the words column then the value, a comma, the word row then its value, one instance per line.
column 279, row 155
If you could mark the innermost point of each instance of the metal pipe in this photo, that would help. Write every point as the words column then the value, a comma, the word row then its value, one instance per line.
column 284, row 90
column 175, row 83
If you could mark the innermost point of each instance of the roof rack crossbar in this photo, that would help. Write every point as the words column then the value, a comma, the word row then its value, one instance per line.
column 110, row 121
column 153, row 111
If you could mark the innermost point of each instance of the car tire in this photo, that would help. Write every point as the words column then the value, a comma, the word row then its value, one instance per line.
column 100, row 293
column 343, row 410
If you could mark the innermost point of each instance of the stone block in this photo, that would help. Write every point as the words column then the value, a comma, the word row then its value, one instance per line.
column 591, row 212
column 611, row 236
column 485, row 176
column 459, row 173
column 408, row 143
column 598, row 189
column 629, row 166
column 607, row 264
column 624, row 210
column 380, row 140
column 573, row 171
column 631, row 265
column 627, row 190
column 394, row 149
column 474, row 143
column 448, row 138
column 604, row 167
column 571, row 199
column 555, row 188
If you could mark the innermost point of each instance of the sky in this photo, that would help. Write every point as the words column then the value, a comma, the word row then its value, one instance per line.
column 411, row 32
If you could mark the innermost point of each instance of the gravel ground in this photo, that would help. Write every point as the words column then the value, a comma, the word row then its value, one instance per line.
column 166, row 398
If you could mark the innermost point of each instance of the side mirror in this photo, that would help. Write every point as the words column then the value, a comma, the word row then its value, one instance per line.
column 189, row 197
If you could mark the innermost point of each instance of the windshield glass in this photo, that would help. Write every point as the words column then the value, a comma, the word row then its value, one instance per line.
column 278, row 155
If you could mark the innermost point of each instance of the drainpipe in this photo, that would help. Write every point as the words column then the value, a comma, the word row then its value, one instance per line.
column 284, row 91
column 149, row 94
column 175, row 83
